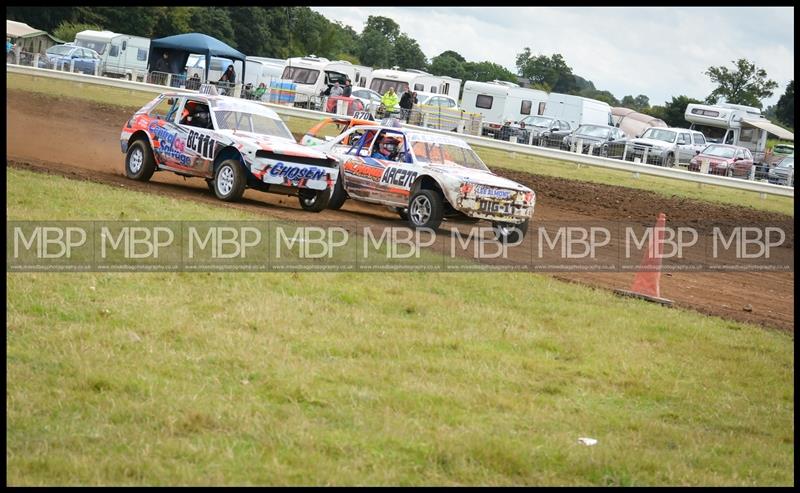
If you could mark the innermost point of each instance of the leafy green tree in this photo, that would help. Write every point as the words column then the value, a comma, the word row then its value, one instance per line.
column 638, row 103
column 46, row 19
column 137, row 21
column 214, row 22
column 172, row 21
column 550, row 72
column 445, row 64
column 407, row 54
column 487, row 71
column 784, row 110
column 605, row 96
column 746, row 85
column 672, row 112
column 66, row 31
column 251, row 29
column 453, row 54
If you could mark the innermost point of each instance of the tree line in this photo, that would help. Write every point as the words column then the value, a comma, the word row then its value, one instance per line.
column 283, row 32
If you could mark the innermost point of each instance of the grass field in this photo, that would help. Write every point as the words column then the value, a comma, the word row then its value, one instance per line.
column 494, row 158
column 371, row 379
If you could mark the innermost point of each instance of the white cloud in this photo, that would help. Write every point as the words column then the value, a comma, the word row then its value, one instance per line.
column 660, row 52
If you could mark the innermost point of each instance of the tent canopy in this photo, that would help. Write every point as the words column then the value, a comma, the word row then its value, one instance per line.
column 16, row 29
column 180, row 46
column 770, row 127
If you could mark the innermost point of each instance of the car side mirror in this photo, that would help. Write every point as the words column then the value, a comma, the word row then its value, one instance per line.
column 696, row 153
column 636, row 136
column 554, row 129
column 737, row 159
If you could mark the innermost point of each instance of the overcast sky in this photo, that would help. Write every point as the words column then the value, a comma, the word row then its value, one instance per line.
column 659, row 52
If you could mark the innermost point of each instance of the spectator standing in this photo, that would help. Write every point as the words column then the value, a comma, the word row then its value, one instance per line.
column 336, row 90
column 406, row 104
column 162, row 64
column 389, row 100
column 348, row 88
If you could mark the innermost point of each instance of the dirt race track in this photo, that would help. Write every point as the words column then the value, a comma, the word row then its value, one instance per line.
column 80, row 140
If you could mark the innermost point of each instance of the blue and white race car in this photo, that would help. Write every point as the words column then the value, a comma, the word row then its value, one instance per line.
column 426, row 177
column 233, row 143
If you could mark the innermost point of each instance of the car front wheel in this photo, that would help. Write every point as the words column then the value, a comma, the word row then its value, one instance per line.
column 229, row 181
column 338, row 195
column 510, row 232
column 139, row 161
column 669, row 161
column 314, row 200
column 425, row 209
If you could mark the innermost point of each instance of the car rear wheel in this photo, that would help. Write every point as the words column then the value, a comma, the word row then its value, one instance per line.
column 139, row 162
column 510, row 232
column 229, row 181
column 314, row 200
column 426, row 209
column 338, row 195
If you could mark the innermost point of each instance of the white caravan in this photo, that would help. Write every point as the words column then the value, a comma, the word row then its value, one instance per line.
column 501, row 101
column 633, row 123
column 313, row 75
column 121, row 55
column 578, row 110
column 260, row 69
column 382, row 79
column 734, row 124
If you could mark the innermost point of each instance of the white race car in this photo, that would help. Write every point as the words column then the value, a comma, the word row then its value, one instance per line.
column 233, row 143
column 426, row 177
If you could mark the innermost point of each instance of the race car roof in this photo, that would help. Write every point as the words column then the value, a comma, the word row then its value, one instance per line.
column 225, row 103
column 419, row 136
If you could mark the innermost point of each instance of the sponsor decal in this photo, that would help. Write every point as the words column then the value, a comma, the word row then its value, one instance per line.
column 363, row 115
column 496, row 193
column 297, row 173
column 170, row 144
column 399, row 177
column 202, row 144
column 362, row 170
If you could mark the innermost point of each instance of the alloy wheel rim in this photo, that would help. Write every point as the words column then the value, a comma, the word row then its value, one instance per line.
column 420, row 210
column 225, row 180
column 136, row 160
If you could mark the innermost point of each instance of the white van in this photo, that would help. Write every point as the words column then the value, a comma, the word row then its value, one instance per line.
column 578, row 110
column 313, row 75
column 121, row 55
column 501, row 101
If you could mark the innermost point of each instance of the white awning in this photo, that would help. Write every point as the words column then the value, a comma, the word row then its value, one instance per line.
column 18, row 29
column 779, row 132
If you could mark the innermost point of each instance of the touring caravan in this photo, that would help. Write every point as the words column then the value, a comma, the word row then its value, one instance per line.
column 502, row 101
column 382, row 79
column 634, row 123
column 313, row 75
column 734, row 124
column 121, row 55
column 263, row 70
column 578, row 110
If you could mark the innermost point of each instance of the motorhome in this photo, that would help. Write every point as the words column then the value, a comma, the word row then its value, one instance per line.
column 734, row 124
column 501, row 101
column 578, row 110
column 313, row 75
column 382, row 79
column 121, row 55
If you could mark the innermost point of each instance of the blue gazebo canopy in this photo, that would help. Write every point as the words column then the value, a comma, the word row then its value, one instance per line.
column 181, row 46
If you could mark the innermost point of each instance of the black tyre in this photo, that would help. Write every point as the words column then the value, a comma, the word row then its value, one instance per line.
column 314, row 200
column 425, row 209
column 510, row 232
column 229, row 180
column 402, row 212
column 139, row 161
column 210, row 185
column 338, row 195
column 669, row 161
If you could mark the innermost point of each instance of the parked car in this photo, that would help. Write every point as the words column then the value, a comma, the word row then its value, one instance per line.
column 59, row 57
column 232, row 143
column 783, row 172
column 370, row 98
column 594, row 137
column 329, row 128
column 543, row 130
column 426, row 177
column 433, row 99
column 724, row 159
column 660, row 146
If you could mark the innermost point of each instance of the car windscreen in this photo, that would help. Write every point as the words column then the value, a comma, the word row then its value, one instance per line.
column 437, row 152
column 537, row 121
column 251, row 122
column 593, row 131
column 787, row 163
column 712, row 134
column 659, row 134
column 720, row 151
column 59, row 50
column 382, row 85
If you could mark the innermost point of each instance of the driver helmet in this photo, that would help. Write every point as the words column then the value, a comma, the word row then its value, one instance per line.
column 201, row 118
column 389, row 145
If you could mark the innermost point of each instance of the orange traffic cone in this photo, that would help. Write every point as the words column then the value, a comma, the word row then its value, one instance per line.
column 646, row 283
